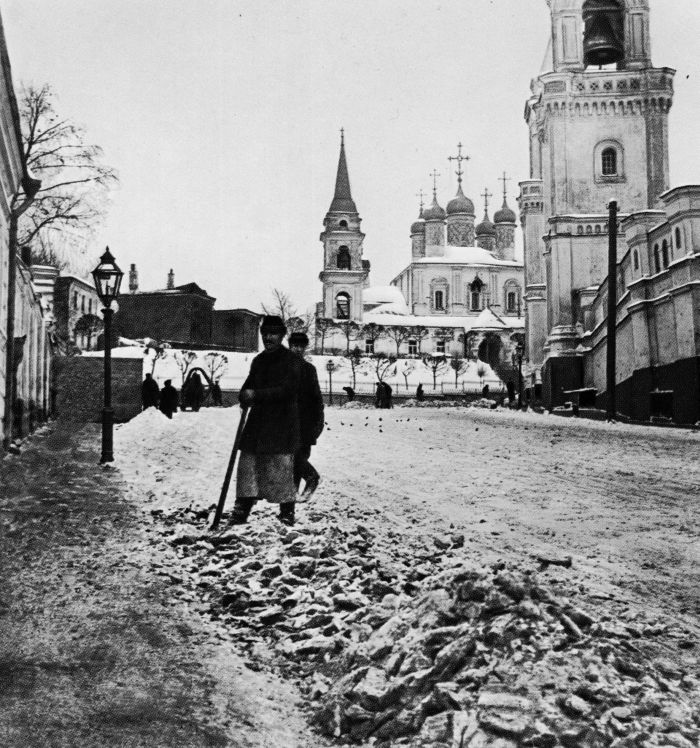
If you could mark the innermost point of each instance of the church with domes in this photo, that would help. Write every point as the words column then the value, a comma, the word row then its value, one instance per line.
column 460, row 293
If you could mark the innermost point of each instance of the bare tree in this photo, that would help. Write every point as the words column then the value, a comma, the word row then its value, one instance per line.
column 215, row 364
column 458, row 365
column 283, row 306
column 372, row 332
column 159, row 349
column 383, row 365
column 398, row 333
column 420, row 333
column 72, row 198
column 356, row 362
column 467, row 339
column 184, row 359
column 324, row 325
column 405, row 369
column 350, row 329
column 436, row 364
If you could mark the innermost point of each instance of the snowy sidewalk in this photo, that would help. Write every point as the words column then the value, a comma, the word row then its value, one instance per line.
column 96, row 648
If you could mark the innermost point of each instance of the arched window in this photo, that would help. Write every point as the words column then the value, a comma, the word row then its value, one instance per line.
column 342, row 305
column 635, row 258
column 678, row 238
column 343, row 224
column 476, row 288
column 608, row 162
column 664, row 253
column 657, row 259
column 439, row 300
column 343, row 258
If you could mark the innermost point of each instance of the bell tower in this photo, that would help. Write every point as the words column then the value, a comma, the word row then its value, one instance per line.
column 344, row 273
column 598, row 122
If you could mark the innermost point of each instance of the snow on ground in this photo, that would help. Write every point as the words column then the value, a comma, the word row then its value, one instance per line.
column 620, row 498
column 616, row 502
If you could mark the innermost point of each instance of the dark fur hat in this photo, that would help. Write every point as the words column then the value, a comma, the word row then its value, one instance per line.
column 272, row 323
column 299, row 338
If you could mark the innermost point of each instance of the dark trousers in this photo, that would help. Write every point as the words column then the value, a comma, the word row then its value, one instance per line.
column 303, row 469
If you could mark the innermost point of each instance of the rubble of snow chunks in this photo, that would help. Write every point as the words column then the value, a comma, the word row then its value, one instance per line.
column 397, row 642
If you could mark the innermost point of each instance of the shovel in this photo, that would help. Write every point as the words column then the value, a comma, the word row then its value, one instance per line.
column 229, row 470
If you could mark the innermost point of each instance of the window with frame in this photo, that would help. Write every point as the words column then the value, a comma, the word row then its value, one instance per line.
column 342, row 306
column 440, row 346
column 369, row 346
column 664, row 253
column 343, row 224
column 439, row 300
column 608, row 162
column 476, row 288
column 82, row 304
column 511, row 301
column 635, row 259
column 343, row 261
column 75, row 299
column 412, row 347
column 678, row 238
column 657, row 259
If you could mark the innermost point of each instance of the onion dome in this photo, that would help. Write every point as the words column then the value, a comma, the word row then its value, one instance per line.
column 418, row 227
column 460, row 204
column 485, row 227
column 434, row 212
column 504, row 215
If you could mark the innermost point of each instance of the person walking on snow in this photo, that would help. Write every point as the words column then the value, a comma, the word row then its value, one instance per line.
column 168, row 399
column 150, row 392
column 271, row 435
column 310, row 417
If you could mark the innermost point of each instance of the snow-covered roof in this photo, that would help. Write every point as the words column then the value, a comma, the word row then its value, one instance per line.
column 465, row 256
column 486, row 320
column 382, row 295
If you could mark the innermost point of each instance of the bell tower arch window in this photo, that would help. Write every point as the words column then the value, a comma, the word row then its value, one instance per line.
column 343, row 224
column 342, row 305
column 438, row 294
column 664, row 253
column 678, row 238
column 609, row 162
column 343, row 261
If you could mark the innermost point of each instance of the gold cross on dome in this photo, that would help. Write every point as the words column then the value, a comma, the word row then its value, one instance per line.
column 435, row 174
column 459, row 158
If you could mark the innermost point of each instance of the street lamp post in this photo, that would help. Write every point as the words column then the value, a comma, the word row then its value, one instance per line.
column 518, row 356
column 329, row 368
column 108, row 278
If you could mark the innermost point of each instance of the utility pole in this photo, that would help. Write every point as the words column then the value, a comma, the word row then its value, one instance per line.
column 612, row 308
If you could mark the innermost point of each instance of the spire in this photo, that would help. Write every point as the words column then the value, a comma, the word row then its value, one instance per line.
column 342, row 199
column 171, row 280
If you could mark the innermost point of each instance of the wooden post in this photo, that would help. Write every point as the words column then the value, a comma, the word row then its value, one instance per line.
column 612, row 308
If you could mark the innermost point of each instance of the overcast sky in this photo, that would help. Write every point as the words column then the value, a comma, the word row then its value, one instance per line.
column 223, row 116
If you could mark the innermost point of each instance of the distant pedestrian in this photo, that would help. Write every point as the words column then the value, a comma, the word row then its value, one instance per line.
column 485, row 391
column 271, row 435
column 420, row 395
column 168, row 399
column 378, row 395
column 195, row 391
column 310, row 417
column 216, row 395
column 386, row 400
column 383, row 397
column 150, row 392
column 350, row 392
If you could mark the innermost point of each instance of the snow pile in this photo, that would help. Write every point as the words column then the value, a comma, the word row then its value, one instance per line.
column 146, row 427
column 411, row 643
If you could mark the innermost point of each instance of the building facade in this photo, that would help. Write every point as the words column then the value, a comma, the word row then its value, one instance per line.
column 597, row 133
column 460, row 294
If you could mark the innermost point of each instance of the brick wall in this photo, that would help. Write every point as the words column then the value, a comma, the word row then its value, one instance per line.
column 80, row 387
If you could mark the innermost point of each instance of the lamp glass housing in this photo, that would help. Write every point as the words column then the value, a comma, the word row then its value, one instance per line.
column 108, row 278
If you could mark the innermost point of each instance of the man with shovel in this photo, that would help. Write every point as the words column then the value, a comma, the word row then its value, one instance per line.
column 271, row 435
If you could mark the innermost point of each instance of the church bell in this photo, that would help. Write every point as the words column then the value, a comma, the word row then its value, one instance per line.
column 603, row 32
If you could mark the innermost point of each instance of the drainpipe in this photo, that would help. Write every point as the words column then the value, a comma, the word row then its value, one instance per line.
column 30, row 187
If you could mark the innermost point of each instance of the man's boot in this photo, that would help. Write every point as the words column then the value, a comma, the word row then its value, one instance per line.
column 241, row 510
column 287, row 513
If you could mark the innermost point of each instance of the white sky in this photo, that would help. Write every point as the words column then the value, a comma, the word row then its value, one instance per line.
column 222, row 118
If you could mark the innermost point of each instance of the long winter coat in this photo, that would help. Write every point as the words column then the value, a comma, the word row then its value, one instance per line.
column 273, row 425
column 310, row 405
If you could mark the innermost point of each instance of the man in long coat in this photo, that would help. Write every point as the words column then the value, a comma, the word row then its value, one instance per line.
column 150, row 392
column 271, row 435
column 168, row 399
column 310, row 416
